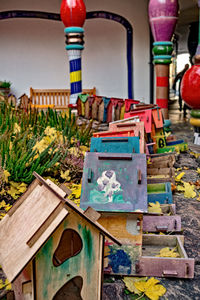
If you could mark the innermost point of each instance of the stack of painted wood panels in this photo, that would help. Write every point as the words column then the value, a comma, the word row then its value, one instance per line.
column 115, row 184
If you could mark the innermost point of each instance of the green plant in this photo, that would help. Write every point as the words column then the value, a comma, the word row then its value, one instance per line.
column 5, row 84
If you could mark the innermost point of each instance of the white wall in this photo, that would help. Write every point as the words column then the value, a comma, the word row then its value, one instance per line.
column 32, row 51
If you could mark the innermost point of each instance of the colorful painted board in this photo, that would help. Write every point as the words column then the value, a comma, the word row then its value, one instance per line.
column 157, row 118
column 182, row 147
column 122, row 133
column 158, row 138
column 128, row 120
column 144, row 116
column 138, row 128
column 162, row 223
column 159, row 192
column 127, row 228
column 114, row 182
column 115, row 145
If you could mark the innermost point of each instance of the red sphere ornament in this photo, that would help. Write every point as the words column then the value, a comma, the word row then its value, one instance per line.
column 73, row 13
column 190, row 87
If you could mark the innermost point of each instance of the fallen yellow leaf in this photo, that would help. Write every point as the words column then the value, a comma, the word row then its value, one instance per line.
column 178, row 177
column 130, row 283
column 189, row 190
column 151, row 288
column 65, row 175
column 6, row 175
column 198, row 170
column 195, row 154
column 154, row 208
column 166, row 252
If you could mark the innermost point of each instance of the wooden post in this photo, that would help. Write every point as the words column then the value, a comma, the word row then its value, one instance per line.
column 163, row 17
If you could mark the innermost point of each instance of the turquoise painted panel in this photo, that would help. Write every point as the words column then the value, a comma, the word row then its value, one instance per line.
column 115, row 145
column 114, row 182
column 160, row 192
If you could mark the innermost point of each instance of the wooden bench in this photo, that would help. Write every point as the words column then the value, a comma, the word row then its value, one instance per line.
column 54, row 98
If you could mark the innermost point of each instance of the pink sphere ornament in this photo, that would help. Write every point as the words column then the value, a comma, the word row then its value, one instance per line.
column 73, row 13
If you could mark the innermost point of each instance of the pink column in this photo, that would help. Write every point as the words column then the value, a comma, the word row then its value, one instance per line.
column 163, row 16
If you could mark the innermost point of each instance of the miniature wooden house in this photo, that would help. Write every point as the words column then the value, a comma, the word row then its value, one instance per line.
column 113, row 104
column 12, row 100
column 103, row 107
column 129, row 103
column 50, row 248
column 82, row 98
column 95, row 107
column 88, row 107
column 24, row 102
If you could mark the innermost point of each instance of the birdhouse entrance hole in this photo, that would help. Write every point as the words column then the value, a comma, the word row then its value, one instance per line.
column 70, row 245
column 70, row 290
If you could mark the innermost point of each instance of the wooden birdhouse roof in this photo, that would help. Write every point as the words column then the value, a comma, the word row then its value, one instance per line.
column 32, row 220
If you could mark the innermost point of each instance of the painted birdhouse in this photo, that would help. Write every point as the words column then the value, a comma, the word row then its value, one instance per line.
column 82, row 98
column 50, row 248
column 129, row 103
column 12, row 100
column 88, row 107
column 24, row 102
column 114, row 104
column 103, row 107
column 95, row 107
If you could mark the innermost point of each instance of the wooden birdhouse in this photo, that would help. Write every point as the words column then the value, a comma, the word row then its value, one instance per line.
column 50, row 248
column 12, row 100
column 113, row 106
column 95, row 107
column 129, row 103
column 24, row 102
column 103, row 107
column 82, row 98
column 88, row 107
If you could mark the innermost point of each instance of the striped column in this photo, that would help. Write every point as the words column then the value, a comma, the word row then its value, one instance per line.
column 74, row 47
column 75, row 74
column 162, row 58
